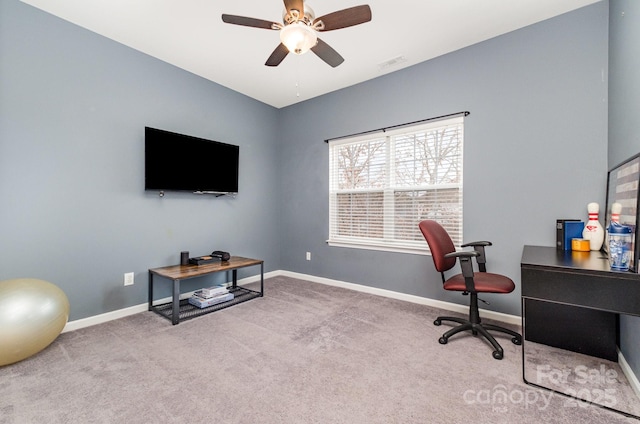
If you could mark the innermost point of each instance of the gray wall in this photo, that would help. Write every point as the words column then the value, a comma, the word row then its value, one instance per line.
column 73, row 210
column 74, row 105
column 535, row 149
column 624, row 129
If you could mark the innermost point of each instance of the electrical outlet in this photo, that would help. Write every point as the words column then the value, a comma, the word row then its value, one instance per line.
column 308, row 256
column 128, row 278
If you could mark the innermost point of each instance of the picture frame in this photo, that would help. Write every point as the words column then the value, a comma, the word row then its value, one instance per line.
column 623, row 184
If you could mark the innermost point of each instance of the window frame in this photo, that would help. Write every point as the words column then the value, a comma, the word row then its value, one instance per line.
column 390, row 188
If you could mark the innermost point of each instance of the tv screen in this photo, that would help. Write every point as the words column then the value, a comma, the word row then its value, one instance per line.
column 178, row 162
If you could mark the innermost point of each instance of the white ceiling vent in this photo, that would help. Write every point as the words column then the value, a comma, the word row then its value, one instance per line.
column 391, row 63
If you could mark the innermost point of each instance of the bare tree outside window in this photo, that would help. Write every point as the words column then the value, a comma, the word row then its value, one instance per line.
column 362, row 165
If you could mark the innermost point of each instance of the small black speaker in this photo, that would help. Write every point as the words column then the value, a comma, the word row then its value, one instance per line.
column 223, row 256
column 184, row 258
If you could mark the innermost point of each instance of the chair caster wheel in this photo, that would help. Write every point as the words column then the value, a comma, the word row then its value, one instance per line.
column 437, row 322
column 442, row 340
column 517, row 341
column 497, row 354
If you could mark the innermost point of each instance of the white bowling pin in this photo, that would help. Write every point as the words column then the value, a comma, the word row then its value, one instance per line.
column 593, row 231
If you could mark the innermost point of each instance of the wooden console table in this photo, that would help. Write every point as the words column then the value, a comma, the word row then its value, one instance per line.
column 178, row 310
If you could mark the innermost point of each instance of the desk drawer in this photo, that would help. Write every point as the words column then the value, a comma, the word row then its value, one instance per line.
column 614, row 292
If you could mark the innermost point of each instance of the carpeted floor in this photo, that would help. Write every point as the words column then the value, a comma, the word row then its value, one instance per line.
column 587, row 378
column 305, row 353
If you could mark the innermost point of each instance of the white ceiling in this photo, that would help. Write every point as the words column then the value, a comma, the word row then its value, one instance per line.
column 190, row 34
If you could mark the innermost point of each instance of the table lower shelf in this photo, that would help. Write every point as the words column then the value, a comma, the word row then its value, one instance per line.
column 188, row 311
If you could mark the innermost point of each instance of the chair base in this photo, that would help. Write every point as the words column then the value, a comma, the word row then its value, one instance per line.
column 475, row 328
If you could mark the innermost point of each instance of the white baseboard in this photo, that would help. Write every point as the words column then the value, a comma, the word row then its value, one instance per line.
column 106, row 317
column 628, row 372
column 454, row 307
column 136, row 309
column 121, row 313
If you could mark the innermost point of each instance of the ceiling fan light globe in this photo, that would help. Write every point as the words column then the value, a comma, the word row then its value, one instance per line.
column 298, row 37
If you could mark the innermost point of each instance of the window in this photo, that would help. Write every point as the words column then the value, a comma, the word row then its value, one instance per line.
column 382, row 185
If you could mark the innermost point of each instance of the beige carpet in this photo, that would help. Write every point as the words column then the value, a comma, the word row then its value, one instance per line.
column 305, row 353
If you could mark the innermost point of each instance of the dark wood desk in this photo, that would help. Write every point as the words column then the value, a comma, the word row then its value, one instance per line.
column 571, row 300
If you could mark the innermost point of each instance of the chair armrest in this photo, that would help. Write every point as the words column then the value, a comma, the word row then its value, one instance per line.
column 464, row 258
column 463, row 253
column 477, row 243
column 479, row 246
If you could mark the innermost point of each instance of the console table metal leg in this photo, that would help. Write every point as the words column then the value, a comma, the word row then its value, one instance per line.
column 234, row 278
column 261, row 279
column 150, row 291
column 175, row 314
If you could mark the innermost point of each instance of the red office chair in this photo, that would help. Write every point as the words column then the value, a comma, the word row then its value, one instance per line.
column 469, row 282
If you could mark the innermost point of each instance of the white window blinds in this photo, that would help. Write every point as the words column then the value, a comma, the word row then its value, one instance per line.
column 381, row 186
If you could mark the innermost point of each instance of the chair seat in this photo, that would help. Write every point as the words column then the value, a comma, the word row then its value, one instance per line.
column 485, row 282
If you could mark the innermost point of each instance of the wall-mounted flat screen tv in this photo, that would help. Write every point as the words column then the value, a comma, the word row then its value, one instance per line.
column 178, row 162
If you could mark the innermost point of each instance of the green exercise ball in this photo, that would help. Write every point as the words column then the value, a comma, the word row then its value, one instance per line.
column 32, row 314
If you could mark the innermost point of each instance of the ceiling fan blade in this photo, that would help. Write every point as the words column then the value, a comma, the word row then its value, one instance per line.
column 277, row 56
column 345, row 18
column 327, row 53
column 250, row 22
column 294, row 5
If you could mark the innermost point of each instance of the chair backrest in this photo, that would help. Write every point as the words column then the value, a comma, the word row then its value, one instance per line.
column 439, row 243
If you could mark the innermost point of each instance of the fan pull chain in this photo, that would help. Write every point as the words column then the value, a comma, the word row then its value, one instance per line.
column 298, row 80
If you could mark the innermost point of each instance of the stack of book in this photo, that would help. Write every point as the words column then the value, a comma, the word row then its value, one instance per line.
column 210, row 296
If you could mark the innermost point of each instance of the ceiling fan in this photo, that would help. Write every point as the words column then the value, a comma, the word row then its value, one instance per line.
column 298, row 32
